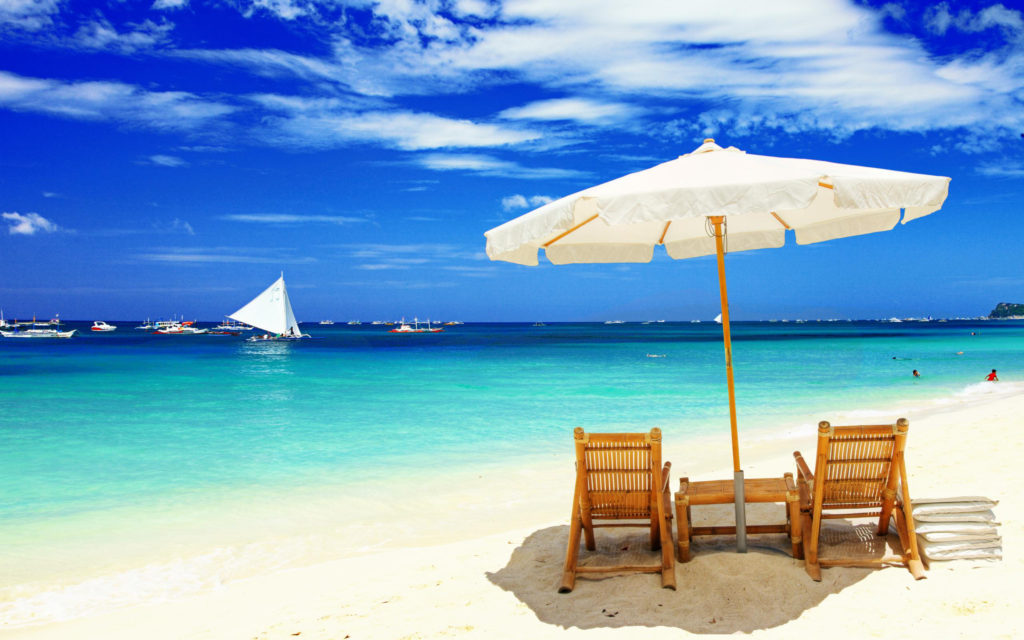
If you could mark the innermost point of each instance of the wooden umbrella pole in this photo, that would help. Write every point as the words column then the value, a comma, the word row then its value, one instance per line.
column 738, row 483
column 727, row 338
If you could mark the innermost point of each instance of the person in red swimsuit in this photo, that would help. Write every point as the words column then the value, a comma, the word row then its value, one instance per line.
column 992, row 377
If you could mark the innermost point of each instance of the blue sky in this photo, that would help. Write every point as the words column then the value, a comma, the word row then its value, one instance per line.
column 172, row 157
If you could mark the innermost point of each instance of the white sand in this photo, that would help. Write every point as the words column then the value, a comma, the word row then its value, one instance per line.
column 483, row 559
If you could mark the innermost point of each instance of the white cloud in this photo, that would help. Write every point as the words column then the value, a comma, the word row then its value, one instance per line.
column 287, row 9
column 28, row 224
column 169, row 5
column 29, row 15
column 580, row 110
column 166, row 161
column 405, row 130
column 383, row 257
column 760, row 58
column 287, row 218
column 108, row 101
column 331, row 122
column 380, row 266
column 1002, row 170
column 517, row 201
column 762, row 66
column 184, row 227
column 475, row 8
column 218, row 256
column 939, row 19
column 375, row 251
column 99, row 33
column 491, row 166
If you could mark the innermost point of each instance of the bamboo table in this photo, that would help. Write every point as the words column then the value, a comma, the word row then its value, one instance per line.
column 721, row 492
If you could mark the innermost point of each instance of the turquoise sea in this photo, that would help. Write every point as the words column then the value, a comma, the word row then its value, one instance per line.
column 137, row 466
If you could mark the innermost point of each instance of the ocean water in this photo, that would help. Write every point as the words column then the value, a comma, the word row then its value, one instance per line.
column 137, row 467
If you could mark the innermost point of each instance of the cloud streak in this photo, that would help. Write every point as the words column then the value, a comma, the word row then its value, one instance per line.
column 290, row 219
column 211, row 257
column 494, row 167
column 116, row 101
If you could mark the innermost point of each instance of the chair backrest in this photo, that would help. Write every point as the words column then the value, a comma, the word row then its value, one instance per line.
column 858, row 466
column 619, row 473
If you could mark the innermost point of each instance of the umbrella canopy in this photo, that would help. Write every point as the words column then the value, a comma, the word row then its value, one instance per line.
column 760, row 196
column 710, row 201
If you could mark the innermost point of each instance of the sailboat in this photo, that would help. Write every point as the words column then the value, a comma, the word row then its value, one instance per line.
column 718, row 318
column 272, row 312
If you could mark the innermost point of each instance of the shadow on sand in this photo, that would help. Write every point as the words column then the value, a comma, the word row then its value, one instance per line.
column 720, row 591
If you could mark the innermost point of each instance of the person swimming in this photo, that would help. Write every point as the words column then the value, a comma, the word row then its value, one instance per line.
column 992, row 377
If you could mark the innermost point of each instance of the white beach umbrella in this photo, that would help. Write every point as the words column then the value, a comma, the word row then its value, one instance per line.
column 710, row 201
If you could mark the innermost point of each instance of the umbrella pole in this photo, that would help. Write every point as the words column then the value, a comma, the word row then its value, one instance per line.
column 739, row 496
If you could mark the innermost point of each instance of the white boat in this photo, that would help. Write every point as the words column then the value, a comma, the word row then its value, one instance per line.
column 718, row 318
column 405, row 328
column 615, row 322
column 3, row 323
column 272, row 312
column 327, row 322
column 230, row 325
column 147, row 325
column 175, row 328
column 354, row 322
column 100, row 325
column 36, row 332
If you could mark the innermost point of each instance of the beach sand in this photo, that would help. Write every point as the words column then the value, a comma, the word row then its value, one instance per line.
column 481, row 557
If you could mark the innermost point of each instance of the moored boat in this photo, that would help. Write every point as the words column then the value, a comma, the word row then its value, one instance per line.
column 100, row 325
column 230, row 325
column 173, row 327
column 37, row 332
column 403, row 327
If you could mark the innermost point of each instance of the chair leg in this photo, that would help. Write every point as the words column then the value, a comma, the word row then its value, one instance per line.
column 795, row 529
column 668, row 565
column 572, row 552
column 909, row 542
column 810, row 549
column 682, row 527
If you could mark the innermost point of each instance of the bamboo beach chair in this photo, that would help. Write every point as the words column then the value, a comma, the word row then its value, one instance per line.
column 619, row 477
column 857, row 468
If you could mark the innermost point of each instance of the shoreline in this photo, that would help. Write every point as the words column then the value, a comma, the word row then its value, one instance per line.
column 491, row 509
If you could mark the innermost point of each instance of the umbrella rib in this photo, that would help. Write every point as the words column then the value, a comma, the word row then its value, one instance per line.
column 568, row 231
column 664, row 232
column 781, row 221
column 826, row 185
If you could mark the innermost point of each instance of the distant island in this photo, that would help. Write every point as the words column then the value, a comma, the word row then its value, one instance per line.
column 1008, row 310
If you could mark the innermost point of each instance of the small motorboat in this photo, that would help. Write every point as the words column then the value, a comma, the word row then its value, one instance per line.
column 416, row 328
column 100, row 325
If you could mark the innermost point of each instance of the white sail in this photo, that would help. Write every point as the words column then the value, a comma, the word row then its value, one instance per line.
column 270, row 311
column 718, row 318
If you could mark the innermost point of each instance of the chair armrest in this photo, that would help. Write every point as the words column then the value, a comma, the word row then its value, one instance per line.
column 664, row 476
column 802, row 468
